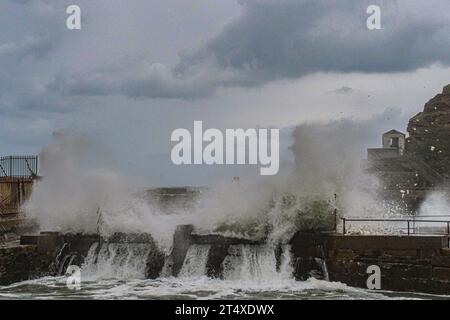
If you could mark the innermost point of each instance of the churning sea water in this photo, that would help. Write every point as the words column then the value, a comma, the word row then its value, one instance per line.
column 118, row 272
column 195, row 288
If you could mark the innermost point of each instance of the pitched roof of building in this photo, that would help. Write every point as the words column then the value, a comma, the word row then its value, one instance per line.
column 393, row 131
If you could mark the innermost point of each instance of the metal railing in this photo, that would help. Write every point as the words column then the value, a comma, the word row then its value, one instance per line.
column 410, row 223
column 19, row 166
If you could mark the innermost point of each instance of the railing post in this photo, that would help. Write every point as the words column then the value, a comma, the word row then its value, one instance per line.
column 448, row 228
column 343, row 226
column 335, row 220
column 408, row 228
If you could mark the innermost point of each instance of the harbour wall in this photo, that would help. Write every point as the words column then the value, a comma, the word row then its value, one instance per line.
column 407, row 263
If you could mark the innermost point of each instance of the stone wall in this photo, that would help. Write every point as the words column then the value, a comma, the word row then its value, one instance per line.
column 43, row 255
column 36, row 255
column 19, row 263
column 407, row 263
column 184, row 237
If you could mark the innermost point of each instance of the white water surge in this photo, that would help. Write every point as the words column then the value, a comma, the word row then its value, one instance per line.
column 116, row 261
column 195, row 262
column 256, row 263
column 117, row 271
column 244, row 262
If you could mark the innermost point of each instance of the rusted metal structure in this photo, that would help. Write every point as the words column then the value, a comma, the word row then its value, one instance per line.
column 17, row 175
column 19, row 167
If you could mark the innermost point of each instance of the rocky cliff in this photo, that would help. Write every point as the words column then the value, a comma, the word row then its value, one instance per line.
column 429, row 133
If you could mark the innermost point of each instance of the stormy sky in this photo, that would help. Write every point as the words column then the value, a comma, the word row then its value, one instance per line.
column 139, row 69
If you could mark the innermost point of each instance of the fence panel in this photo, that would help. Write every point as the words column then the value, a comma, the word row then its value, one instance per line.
column 19, row 166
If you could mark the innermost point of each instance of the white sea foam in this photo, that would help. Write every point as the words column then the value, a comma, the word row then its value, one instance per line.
column 194, row 288
column 117, row 261
column 195, row 262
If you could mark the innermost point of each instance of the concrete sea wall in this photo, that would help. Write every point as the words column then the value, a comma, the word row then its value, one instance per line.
column 39, row 255
column 19, row 263
column 49, row 253
column 407, row 263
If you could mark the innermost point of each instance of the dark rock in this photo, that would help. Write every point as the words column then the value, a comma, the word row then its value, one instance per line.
column 446, row 90
column 429, row 133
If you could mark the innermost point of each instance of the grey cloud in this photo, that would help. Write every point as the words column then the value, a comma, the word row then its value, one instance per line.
column 36, row 47
column 20, row 1
column 289, row 39
column 24, row 130
column 141, row 79
column 28, row 52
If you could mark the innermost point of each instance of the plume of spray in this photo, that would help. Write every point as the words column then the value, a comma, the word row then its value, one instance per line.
column 330, row 160
column 327, row 173
column 80, row 192
column 436, row 206
column 73, row 186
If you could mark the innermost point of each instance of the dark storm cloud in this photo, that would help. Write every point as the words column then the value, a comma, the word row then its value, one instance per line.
column 288, row 39
column 142, row 79
column 291, row 38
column 269, row 40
